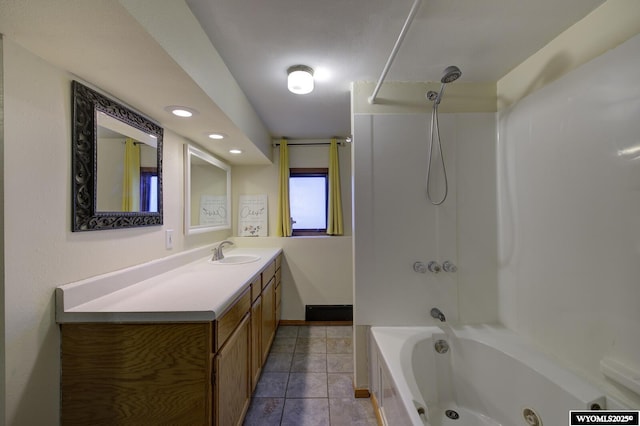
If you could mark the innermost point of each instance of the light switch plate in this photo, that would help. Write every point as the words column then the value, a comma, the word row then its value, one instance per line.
column 168, row 239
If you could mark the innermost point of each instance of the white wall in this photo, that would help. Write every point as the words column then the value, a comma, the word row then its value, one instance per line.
column 569, row 203
column 42, row 252
column 316, row 270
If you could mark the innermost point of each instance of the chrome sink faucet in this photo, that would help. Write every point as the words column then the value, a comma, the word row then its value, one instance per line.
column 217, row 251
column 437, row 314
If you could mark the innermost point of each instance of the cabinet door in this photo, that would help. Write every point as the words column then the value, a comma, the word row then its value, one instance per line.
column 232, row 378
column 131, row 374
column 268, row 318
column 256, row 341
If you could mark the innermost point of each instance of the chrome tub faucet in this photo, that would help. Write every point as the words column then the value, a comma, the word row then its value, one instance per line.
column 437, row 314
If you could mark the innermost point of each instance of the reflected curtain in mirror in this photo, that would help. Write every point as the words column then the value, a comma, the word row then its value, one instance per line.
column 131, row 177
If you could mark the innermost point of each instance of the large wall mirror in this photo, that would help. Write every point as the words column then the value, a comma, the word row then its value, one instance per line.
column 117, row 164
column 207, row 190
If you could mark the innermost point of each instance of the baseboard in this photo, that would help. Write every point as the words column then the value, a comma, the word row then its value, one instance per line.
column 303, row 322
column 376, row 410
column 361, row 393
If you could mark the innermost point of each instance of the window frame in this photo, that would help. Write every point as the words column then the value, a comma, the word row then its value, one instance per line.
column 312, row 172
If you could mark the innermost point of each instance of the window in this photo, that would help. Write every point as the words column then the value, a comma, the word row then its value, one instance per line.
column 148, row 189
column 308, row 189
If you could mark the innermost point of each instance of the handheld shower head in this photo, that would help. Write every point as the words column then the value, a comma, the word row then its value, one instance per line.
column 450, row 74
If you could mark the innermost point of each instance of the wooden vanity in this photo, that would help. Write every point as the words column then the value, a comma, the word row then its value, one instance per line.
column 187, row 372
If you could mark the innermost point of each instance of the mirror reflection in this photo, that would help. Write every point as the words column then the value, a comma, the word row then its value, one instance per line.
column 207, row 192
column 126, row 168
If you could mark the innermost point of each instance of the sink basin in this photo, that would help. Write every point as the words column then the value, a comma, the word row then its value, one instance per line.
column 236, row 260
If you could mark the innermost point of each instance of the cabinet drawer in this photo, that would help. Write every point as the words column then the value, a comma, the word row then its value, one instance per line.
column 267, row 273
column 231, row 318
column 278, row 276
column 278, row 261
column 278, row 294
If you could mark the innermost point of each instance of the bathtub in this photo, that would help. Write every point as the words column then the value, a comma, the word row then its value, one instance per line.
column 488, row 376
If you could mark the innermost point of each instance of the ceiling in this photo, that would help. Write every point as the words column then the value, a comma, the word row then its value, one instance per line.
column 350, row 40
column 109, row 45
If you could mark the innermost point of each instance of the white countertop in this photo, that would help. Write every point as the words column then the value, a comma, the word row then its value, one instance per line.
column 197, row 291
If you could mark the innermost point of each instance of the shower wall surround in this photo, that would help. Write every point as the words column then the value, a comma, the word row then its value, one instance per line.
column 568, row 216
column 395, row 224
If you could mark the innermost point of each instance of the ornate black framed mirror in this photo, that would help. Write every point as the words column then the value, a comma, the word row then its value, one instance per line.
column 116, row 164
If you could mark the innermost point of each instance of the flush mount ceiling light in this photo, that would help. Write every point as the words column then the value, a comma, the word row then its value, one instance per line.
column 181, row 111
column 300, row 80
column 235, row 151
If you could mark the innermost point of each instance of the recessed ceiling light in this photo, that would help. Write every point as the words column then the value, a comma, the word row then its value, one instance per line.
column 181, row 111
column 217, row 136
column 235, row 151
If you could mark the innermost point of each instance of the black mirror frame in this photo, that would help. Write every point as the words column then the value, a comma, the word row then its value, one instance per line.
column 86, row 104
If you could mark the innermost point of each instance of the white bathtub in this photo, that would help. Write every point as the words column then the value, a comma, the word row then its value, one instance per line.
column 489, row 376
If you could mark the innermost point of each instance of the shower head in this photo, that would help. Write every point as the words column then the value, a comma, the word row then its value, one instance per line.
column 451, row 74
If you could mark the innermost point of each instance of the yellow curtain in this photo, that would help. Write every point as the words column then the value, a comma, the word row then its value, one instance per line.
column 284, row 212
column 334, row 219
column 131, row 177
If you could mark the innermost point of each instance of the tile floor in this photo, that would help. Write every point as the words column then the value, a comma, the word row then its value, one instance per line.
column 307, row 380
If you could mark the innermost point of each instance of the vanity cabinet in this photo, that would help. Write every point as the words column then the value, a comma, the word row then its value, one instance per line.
column 198, row 373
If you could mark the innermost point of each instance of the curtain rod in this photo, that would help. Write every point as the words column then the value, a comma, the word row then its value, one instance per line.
column 341, row 142
column 394, row 51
